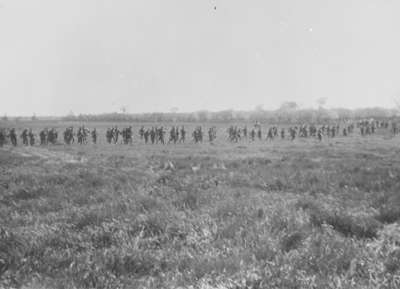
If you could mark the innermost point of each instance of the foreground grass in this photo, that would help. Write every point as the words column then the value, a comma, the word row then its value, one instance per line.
column 290, row 216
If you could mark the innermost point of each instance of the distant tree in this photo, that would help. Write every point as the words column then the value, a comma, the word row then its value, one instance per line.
column 259, row 108
column 5, row 118
column 289, row 105
column 123, row 109
column 225, row 115
column 397, row 105
column 174, row 109
column 287, row 111
column 202, row 115
column 321, row 102
column 34, row 117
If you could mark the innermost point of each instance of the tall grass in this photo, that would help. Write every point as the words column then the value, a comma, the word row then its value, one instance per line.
column 281, row 217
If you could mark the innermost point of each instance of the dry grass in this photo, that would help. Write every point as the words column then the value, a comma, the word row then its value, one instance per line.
column 266, row 215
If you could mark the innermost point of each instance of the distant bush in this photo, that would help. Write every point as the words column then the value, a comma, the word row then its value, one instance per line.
column 388, row 215
column 12, row 250
column 350, row 226
column 389, row 210
column 291, row 114
column 292, row 241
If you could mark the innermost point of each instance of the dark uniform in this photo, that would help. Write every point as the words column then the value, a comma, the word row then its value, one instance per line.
column 31, row 138
column 94, row 136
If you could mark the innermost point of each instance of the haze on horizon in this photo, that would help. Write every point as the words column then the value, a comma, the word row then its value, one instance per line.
column 97, row 56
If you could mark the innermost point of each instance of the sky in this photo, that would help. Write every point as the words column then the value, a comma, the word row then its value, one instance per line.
column 97, row 56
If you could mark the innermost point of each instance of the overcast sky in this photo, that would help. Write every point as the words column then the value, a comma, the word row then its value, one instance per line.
column 93, row 56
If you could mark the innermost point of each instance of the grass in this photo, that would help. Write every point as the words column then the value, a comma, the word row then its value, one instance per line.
column 285, row 214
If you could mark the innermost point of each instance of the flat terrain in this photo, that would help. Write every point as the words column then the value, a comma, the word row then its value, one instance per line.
column 281, row 214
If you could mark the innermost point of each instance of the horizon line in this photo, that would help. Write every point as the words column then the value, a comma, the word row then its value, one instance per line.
column 198, row 111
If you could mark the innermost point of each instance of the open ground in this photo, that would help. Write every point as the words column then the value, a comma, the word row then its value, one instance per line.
column 281, row 214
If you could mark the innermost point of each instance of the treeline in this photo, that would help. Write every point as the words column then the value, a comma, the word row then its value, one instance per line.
column 271, row 116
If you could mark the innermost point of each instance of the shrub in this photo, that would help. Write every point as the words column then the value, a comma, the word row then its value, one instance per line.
column 389, row 211
column 292, row 241
column 347, row 225
column 12, row 251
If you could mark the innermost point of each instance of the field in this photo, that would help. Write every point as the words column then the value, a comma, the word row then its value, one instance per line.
column 281, row 214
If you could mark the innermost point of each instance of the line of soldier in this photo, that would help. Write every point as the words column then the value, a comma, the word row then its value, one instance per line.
column 235, row 134
column 82, row 135
column 27, row 136
column 155, row 135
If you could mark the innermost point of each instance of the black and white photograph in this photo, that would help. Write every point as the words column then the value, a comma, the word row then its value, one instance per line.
column 200, row 144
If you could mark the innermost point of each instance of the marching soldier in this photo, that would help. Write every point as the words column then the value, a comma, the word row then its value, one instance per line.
column 141, row 132
column 31, row 138
column 2, row 137
column 259, row 133
column 319, row 134
column 109, row 135
column 146, row 135
column 13, row 137
column 24, row 136
column 94, row 136
column 43, row 137
column 183, row 134
column 252, row 134
column 152, row 135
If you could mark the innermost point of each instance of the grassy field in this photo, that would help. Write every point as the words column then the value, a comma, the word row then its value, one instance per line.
column 280, row 214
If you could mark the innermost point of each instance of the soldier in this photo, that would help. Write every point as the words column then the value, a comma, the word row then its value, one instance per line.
column 116, row 134
column 231, row 133
column 198, row 135
column 52, row 136
column 31, row 138
column 183, row 134
column 141, row 132
column 172, row 135
column 83, row 133
column 109, row 135
column 79, row 134
column 69, row 135
column 238, row 134
column 293, row 133
column 2, row 137
column 24, row 136
column 259, row 133
column 212, row 134
column 146, row 135
column 270, row 135
column 161, row 135
column 319, row 135
column 13, row 137
column 333, row 131
column 152, row 135
column 367, row 130
column 43, row 137
column 176, row 134
column 344, row 132
column 195, row 136
column 128, row 135
column 252, row 134
column 94, row 136
column 282, row 133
